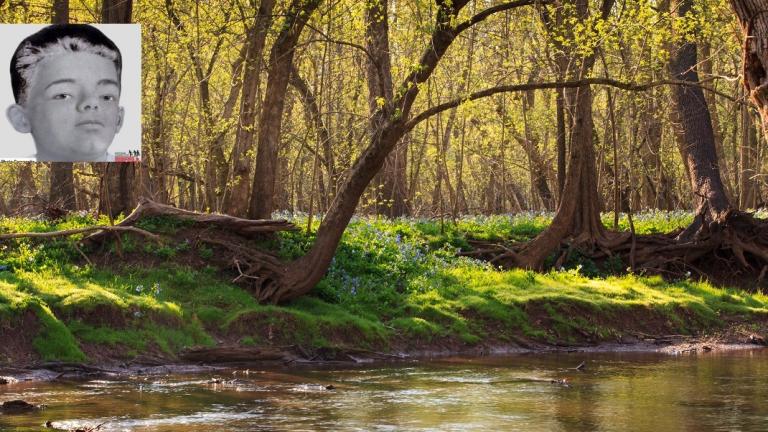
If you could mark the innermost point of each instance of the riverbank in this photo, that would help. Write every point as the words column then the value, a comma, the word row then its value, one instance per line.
column 234, row 360
column 395, row 287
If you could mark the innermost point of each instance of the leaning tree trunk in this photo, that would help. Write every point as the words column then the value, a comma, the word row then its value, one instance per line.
column 310, row 268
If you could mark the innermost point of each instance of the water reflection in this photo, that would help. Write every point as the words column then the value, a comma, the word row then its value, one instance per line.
column 616, row 392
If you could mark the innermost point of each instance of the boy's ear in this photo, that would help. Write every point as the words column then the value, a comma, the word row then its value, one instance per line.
column 120, row 115
column 18, row 118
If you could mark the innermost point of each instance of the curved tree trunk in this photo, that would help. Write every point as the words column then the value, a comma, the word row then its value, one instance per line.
column 310, row 268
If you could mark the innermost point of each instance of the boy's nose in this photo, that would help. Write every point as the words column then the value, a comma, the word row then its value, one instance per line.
column 89, row 104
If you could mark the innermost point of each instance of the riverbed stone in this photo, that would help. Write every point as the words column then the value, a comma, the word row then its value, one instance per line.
column 17, row 406
column 7, row 380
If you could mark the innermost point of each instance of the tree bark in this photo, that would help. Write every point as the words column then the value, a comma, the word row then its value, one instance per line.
column 116, row 11
column 62, row 189
column 236, row 202
column 280, row 62
column 314, row 117
column 578, row 216
column 697, row 143
column 118, row 193
column 392, row 178
column 707, row 70
column 748, row 191
column 24, row 190
column 754, row 25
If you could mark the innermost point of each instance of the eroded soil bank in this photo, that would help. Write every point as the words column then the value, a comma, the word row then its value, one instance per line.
column 114, row 365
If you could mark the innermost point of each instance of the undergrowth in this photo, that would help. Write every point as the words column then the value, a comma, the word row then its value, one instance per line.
column 392, row 284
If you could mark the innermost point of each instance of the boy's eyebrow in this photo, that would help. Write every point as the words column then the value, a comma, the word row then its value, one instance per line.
column 60, row 81
column 105, row 81
column 108, row 81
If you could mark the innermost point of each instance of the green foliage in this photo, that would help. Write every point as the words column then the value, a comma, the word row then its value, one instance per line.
column 163, row 224
column 389, row 281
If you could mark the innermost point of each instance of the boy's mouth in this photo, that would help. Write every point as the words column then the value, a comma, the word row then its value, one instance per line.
column 90, row 124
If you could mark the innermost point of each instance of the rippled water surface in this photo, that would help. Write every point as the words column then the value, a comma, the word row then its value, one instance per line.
column 616, row 392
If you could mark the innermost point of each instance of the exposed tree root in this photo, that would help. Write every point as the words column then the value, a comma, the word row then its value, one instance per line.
column 732, row 250
column 230, row 244
column 231, row 240
column 245, row 227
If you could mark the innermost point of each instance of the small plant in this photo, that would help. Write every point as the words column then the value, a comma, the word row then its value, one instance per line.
column 205, row 252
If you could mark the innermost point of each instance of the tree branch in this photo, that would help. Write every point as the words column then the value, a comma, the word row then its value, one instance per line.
column 482, row 15
column 556, row 85
column 80, row 231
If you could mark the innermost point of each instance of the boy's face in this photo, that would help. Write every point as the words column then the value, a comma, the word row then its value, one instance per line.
column 72, row 106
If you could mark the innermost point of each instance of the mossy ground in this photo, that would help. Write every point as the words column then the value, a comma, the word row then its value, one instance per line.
column 393, row 285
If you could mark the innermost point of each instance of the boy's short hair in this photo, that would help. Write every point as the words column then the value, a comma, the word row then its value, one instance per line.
column 56, row 39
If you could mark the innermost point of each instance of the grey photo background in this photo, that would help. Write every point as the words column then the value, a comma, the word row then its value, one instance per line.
column 127, row 37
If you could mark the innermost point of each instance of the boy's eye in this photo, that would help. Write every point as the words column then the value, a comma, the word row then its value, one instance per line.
column 109, row 98
column 62, row 96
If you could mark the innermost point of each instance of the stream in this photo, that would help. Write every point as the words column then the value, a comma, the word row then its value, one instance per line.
column 535, row 392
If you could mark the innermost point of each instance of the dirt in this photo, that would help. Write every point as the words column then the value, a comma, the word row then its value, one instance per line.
column 17, row 336
column 96, row 315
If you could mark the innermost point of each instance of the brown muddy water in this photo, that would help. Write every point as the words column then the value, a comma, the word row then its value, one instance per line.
column 725, row 391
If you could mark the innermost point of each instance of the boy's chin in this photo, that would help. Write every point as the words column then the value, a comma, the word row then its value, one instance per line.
column 90, row 153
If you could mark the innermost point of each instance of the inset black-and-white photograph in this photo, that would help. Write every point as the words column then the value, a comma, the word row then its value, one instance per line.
column 72, row 92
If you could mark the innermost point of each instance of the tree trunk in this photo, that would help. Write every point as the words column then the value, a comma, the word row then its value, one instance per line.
column 754, row 25
column 62, row 190
column 697, row 143
column 118, row 194
column 561, row 62
column 707, row 70
column 24, row 191
column 280, row 62
column 578, row 216
column 310, row 268
column 747, row 162
column 116, row 11
column 562, row 138
column 392, row 178
column 314, row 117
column 236, row 202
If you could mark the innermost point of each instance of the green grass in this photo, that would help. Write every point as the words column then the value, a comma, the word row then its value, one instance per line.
column 391, row 284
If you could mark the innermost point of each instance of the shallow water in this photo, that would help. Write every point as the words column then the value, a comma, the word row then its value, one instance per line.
column 616, row 392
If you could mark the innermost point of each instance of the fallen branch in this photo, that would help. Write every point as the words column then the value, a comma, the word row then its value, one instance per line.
column 69, row 232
